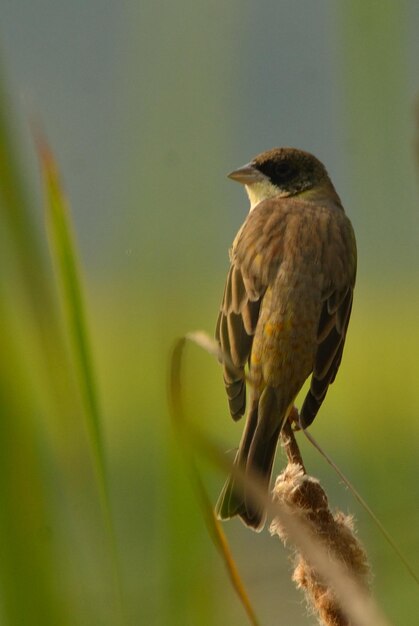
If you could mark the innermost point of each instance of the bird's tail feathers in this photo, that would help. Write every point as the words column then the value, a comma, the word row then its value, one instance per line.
column 255, row 458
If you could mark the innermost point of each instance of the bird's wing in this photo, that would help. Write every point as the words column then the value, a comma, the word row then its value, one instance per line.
column 256, row 256
column 235, row 329
column 334, row 319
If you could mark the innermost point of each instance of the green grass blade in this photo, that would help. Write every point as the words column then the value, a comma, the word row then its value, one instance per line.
column 66, row 264
column 30, row 592
column 30, row 589
column 21, row 250
column 64, row 256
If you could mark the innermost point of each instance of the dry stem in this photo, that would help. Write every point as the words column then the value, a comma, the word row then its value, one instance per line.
column 303, row 497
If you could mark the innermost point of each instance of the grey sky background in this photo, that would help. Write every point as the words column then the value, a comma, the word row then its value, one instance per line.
column 148, row 103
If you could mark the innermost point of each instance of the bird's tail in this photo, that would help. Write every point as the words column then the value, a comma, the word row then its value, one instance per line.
column 254, row 458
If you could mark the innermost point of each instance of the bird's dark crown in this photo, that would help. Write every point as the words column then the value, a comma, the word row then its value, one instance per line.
column 290, row 169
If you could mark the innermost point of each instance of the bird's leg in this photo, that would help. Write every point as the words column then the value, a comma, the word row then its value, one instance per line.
column 289, row 442
column 294, row 419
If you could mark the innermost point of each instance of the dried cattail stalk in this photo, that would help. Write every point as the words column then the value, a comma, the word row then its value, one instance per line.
column 303, row 497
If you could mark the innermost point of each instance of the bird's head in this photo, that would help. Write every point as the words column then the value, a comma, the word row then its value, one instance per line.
column 281, row 172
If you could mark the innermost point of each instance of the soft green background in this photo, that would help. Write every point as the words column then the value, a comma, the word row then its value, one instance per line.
column 147, row 106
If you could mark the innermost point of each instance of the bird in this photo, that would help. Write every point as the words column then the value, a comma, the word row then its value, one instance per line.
column 285, row 310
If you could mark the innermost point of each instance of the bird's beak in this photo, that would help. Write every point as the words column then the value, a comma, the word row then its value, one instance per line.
column 246, row 175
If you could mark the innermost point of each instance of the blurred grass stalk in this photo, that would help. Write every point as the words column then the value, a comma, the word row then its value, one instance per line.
column 30, row 591
column 64, row 257
column 68, row 276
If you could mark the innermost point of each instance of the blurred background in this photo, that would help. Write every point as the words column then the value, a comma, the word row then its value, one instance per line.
column 147, row 106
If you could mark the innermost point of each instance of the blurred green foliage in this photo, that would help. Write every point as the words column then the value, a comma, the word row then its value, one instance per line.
column 55, row 565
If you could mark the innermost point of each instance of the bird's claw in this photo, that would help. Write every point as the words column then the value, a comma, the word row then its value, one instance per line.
column 294, row 419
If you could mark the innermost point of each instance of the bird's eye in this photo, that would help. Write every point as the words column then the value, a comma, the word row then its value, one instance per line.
column 279, row 171
column 283, row 171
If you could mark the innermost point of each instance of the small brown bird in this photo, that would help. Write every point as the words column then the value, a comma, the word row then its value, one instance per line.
column 285, row 309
